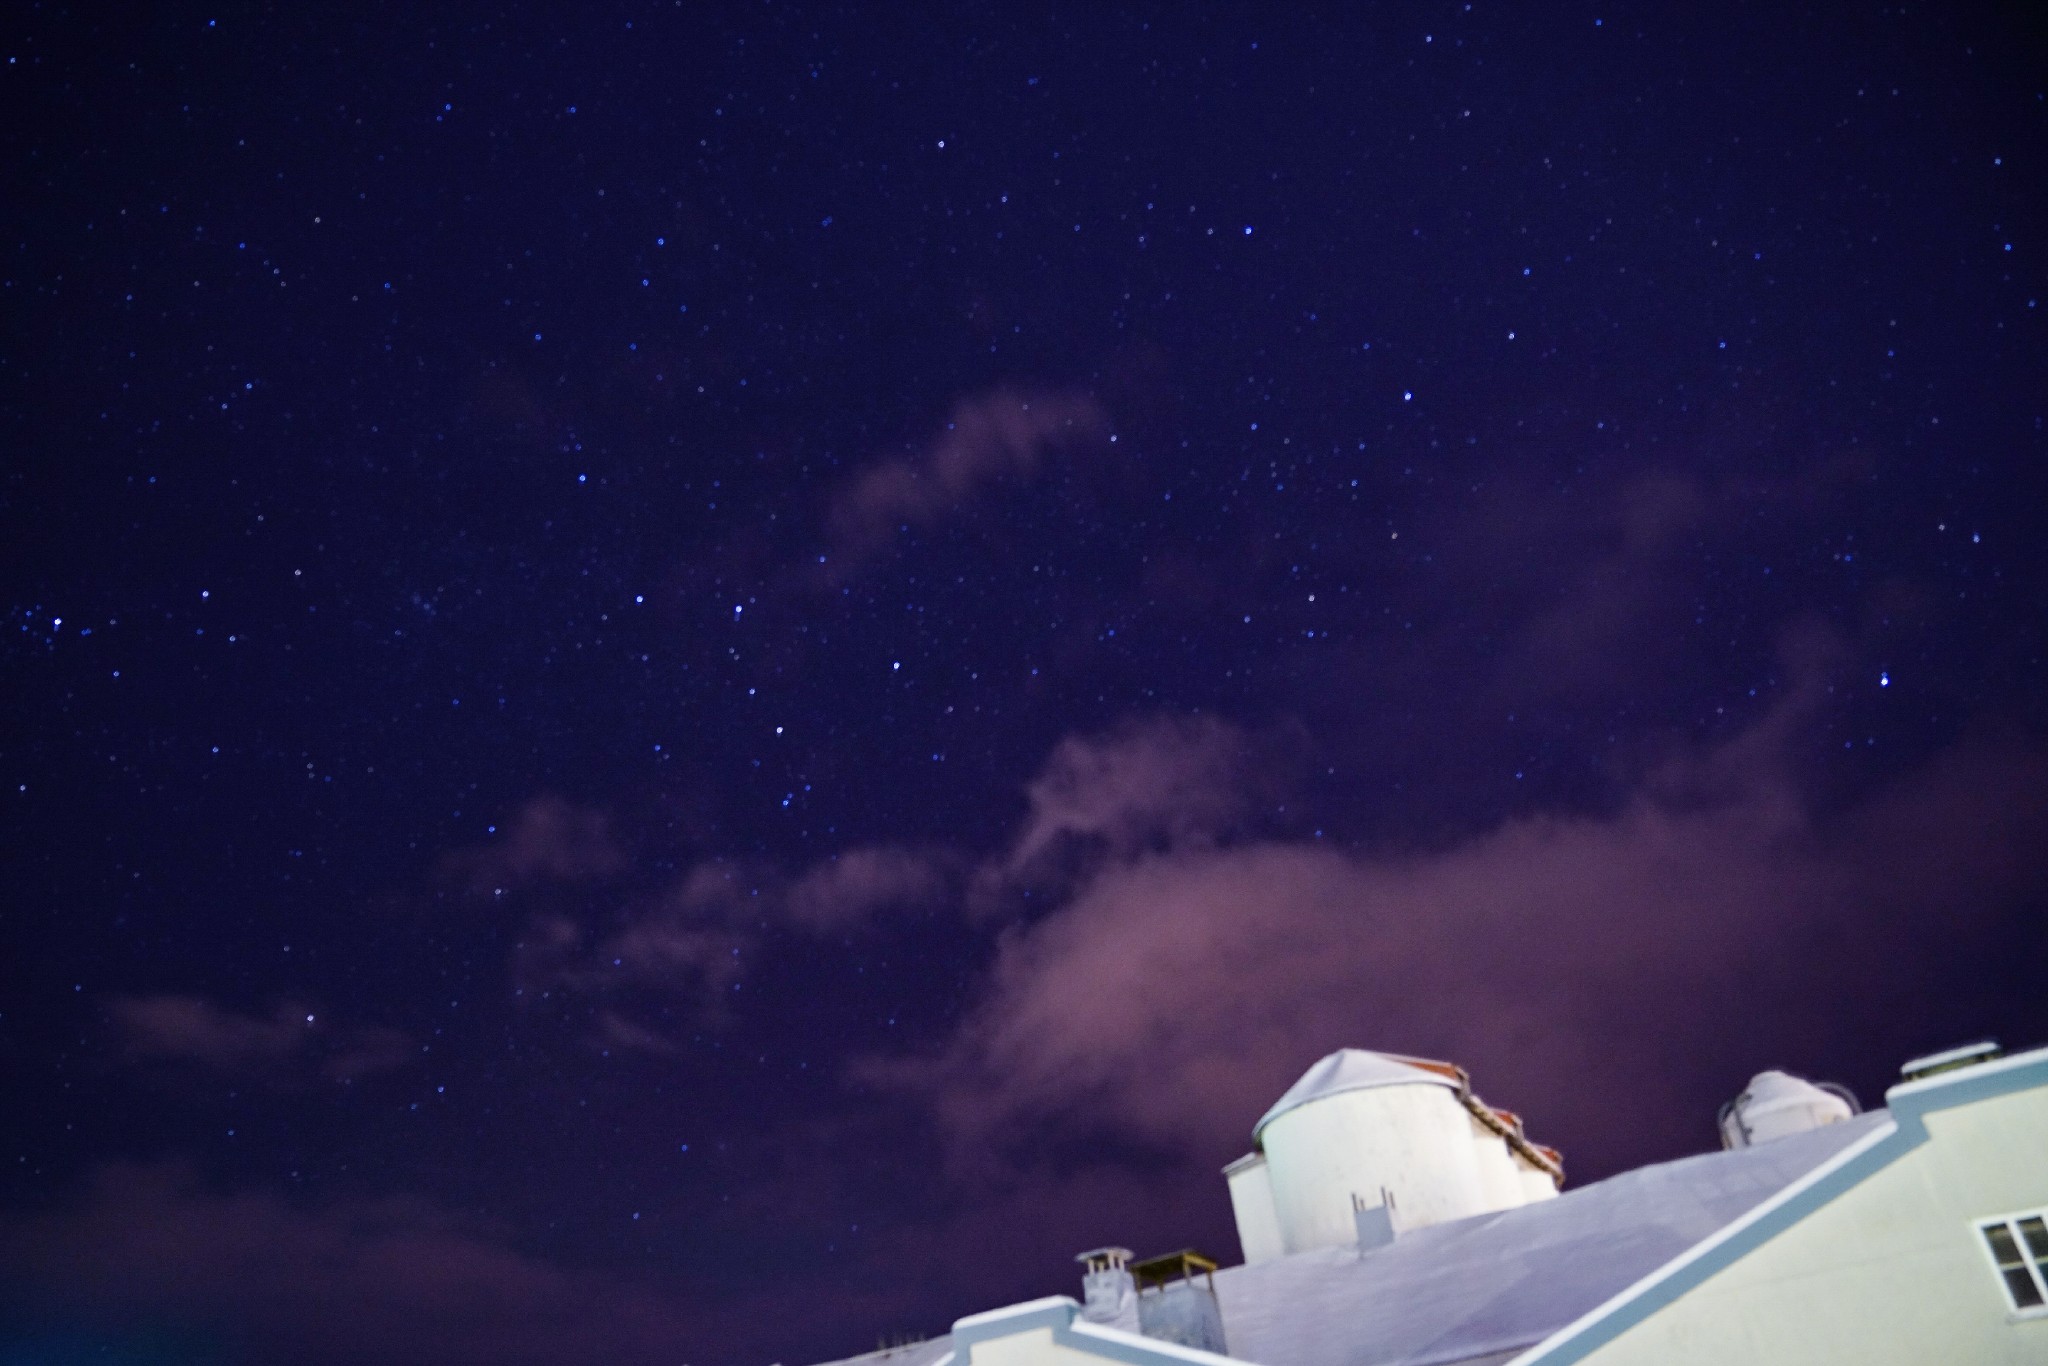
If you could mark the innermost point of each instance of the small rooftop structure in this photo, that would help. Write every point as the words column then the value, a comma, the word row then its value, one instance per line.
column 1177, row 1300
column 1362, row 1129
column 1156, row 1273
column 1107, row 1289
column 1775, row 1104
column 1948, row 1060
column 1911, row 1232
column 1105, row 1258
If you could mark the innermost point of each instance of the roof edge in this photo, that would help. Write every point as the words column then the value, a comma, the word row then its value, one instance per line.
column 1904, row 1129
column 1061, row 1314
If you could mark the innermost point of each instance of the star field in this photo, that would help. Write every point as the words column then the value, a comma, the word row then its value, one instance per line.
column 697, row 663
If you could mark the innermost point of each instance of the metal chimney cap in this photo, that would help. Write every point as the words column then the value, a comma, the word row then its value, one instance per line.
column 1105, row 1258
column 1184, row 1265
column 1969, row 1055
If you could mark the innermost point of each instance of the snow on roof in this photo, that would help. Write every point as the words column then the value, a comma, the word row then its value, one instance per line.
column 1481, row 1289
column 1354, row 1069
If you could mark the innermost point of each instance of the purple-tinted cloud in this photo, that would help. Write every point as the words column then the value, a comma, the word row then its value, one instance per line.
column 193, row 1028
column 288, row 1046
column 697, row 939
column 1160, row 781
column 991, row 437
column 548, row 840
column 1588, row 968
column 850, row 888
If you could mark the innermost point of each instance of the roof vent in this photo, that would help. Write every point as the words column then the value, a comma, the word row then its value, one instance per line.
column 1175, row 1306
column 1969, row 1055
column 1778, row 1104
column 1375, row 1223
column 1107, row 1290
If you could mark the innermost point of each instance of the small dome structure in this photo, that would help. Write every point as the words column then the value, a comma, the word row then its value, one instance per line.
column 1777, row 1104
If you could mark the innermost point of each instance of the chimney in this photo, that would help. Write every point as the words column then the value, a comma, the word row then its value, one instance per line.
column 1108, row 1294
column 1175, row 1306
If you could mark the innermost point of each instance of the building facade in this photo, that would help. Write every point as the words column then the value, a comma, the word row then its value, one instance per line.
column 1403, row 1223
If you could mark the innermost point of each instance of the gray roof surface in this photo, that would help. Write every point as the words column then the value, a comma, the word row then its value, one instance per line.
column 1479, row 1291
column 1348, row 1069
column 1483, row 1288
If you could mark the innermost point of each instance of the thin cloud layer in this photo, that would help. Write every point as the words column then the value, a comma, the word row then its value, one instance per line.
column 1165, row 780
column 388, row 1280
column 548, row 840
column 1589, row 969
column 696, row 940
column 991, row 437
column 850, row 888
column 195, row 1029
column 293, row 1043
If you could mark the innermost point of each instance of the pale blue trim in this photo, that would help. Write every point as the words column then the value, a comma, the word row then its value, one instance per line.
column 1058, row 1312
column 1909, row 1104
column 1054, row 1312
column 1136, row 1349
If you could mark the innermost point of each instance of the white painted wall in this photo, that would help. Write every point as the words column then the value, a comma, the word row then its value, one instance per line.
column 1535, row 1182
column 1498, row 1180
column 1251, row 1200
column 1893, row 1270
column 1415, row 1140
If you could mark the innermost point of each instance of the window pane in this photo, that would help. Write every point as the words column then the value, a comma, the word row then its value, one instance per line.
column 2003, row 1249
column 2035, row 1231
column 2021, row 1287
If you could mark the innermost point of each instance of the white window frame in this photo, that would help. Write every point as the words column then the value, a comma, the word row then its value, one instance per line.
column 2038, row 1268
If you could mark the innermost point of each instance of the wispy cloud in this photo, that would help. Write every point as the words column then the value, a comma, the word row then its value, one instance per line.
column 547, row 840
column 990, row 437
column 1592, row 969
column 292, row 1043
column 694, row 941
column 851, row 888
column 1156, row 782
column 194, row 1028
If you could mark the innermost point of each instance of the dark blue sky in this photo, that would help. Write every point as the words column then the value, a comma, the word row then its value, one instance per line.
column 700, row 682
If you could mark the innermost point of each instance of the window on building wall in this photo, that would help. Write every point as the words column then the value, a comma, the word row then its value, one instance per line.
column 2018, row 1245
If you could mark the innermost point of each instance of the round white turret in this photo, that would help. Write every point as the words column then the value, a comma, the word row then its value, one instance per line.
column 1361, row 1124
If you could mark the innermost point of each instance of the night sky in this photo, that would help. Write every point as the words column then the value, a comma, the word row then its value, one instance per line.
column 704, row 683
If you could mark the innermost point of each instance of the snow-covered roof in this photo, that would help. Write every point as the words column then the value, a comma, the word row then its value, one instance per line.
column 1482, row 1289
column 1351, row 1069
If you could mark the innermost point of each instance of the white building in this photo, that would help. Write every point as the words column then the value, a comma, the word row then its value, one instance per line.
column 1389, row 1218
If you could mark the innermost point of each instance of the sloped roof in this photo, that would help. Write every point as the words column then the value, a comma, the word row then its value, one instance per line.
column 1349, row 1069
column 1481, row 1289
